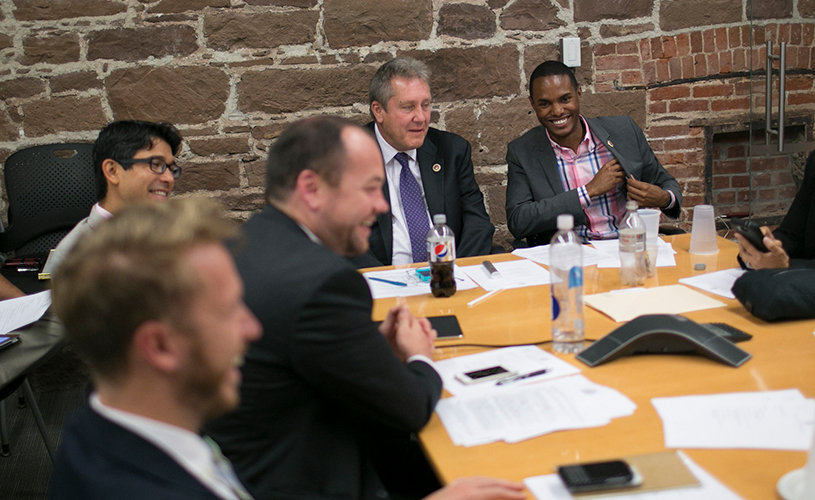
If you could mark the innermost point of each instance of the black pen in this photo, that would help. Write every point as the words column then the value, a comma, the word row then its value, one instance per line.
column 521, row 377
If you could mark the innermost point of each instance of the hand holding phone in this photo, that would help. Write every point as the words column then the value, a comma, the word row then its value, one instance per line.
column 751, row 232
column 599, row 476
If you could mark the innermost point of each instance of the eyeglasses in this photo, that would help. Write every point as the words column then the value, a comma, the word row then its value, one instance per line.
column 157, row 165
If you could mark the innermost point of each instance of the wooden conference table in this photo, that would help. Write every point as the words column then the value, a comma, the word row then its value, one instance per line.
column 783, row 358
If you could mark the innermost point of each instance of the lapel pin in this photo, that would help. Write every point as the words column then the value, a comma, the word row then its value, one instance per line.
column 610, row 144
column 436, row 167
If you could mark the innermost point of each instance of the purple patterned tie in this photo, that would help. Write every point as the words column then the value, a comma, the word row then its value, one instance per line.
column 415, row 212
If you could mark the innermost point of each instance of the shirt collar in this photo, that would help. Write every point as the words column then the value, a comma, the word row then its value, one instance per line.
column 586, row 138
column 388, row 151
column 101, row 211
column 313, row 237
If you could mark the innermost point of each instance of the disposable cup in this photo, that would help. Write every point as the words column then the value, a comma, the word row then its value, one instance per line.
column 703, row 233
column 650, row 218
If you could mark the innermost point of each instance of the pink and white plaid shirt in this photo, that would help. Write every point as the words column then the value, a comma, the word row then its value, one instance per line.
column 603, row 212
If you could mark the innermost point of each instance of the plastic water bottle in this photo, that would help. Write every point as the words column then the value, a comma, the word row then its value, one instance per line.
column 566, row 268
column 633, row 252
column 441, row 253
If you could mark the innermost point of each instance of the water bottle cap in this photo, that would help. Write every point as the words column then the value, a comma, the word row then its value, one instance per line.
column 439, row 219
column 565, row 222
column 631, row 205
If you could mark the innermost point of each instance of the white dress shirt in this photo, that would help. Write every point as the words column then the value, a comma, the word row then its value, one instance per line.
column 402, row 251
column 186, row 448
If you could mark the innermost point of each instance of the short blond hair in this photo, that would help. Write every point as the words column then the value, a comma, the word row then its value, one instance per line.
column 132, row 270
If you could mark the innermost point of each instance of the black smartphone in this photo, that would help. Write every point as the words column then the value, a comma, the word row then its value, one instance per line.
column 751, row 232
column 8, row 339
column 599, row 476
column 484, row 375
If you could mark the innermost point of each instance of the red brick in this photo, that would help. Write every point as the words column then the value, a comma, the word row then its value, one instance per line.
column 721, row 38
column 671, row 158
column 783, row 33
column 770, row 33
column 758, row 36
column 688, row 172
column 690, row 200
column 761, row 180
column 696, row 44
column 713, row 90
column 709, row 41
column 713, row 64
column 734, row 37
column 807, row 98
column 675, row 68
column 604, row 87
column 743, row 195
column 687, row 67
column 739, row 63
column 645, row 49
column 604, row 49
column 731, row 167
column 721, row 182
column 627, row 48
column 668, row 46
column 738, row 181
column 682, row 41
column 795, row 34
column 649, row 72
column 787, row 192
column 657, row 145
column 792, row 57
column 783, row 177
column 727, row 197
column 658, row 107
column 725, row 62
column 631, row 78
column 688, row 105
column 700, row 66
column 673, row 92
column 663, row 75
column 656, row 48
column 736, row 152
column 803, row 56
column 617, row 62
column 729, row 104
column 607, row 76
column 759, row 58
column 808, row 35
column 799, row 83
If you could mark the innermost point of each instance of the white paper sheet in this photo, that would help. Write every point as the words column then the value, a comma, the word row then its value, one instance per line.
column 514, row 274
column 774, row 420
column 540, row 254
column 525, row 411
column 415, row 286
column 550, row 487
column 520, row 359
column 21, row 311
column 720, row 282
column 627, row 304
column 610, row 250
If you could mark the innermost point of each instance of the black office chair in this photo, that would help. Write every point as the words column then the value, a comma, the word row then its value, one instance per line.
column 50, row 188
column 15, row 385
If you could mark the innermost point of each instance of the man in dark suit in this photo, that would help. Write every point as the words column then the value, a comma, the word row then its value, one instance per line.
column 325, row 388
column 153, row 301
column 580, row 166
column 425, row 168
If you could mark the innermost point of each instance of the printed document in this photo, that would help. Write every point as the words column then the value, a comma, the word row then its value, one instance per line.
column 771, row 420
column 21, row 311
column 406, row 283
column 514, row 274
column 629, row 303
column 720, row 282
column 540, row 254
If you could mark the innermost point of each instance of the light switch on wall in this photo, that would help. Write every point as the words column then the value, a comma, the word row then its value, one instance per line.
column 571, row 52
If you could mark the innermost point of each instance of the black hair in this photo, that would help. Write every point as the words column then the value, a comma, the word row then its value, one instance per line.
column 121, row 140
column 552, row 68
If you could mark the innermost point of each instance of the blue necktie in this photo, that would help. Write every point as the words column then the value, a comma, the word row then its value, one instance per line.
column 415, row 212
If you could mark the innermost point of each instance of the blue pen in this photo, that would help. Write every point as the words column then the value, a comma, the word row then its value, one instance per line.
column 397, row 283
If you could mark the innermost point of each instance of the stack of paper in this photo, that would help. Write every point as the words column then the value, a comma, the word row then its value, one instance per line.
column 520, row 360
column 22, row 311
column 514, row 274
column 550, row 487
column 720, row 282
column 779, row 420
column 406, row 283
column 540, row 254
column 610, row 250
column 629, row 303
column 524, row 411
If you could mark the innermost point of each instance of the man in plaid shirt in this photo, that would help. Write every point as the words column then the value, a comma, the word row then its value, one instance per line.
column 580, row 166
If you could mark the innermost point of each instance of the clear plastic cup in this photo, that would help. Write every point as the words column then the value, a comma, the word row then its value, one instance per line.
column 650, row 217
column 703, row 234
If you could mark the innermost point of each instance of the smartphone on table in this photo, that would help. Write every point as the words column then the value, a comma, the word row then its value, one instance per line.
column 597, row 476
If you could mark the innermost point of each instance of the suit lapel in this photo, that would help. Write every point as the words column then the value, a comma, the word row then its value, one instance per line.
column 548, row 162
column 604, row 137
column 432, row 178
column 385, row 222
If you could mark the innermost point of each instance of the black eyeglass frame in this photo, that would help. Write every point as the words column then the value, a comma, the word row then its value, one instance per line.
column 157, row 165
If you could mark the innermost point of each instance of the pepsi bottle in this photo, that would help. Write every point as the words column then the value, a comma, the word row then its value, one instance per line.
column 441, row 253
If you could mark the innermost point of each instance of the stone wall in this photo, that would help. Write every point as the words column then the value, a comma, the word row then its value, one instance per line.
column 232, row 73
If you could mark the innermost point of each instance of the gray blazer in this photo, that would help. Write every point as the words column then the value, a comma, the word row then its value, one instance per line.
column 535, row 195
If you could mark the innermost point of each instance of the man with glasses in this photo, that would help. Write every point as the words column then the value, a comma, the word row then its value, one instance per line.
column 133, row 161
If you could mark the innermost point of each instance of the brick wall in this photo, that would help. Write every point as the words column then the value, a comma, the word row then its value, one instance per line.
column 232, row 73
